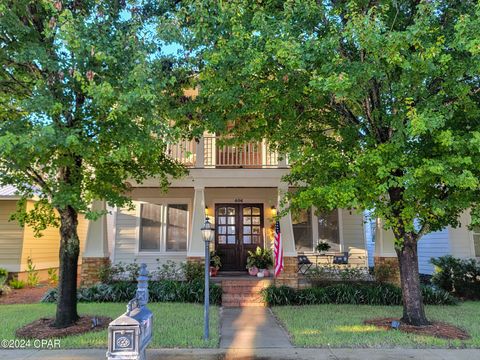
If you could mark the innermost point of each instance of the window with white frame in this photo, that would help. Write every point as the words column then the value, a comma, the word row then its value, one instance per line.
column 163, row 227
column 329, row 229
column 476, row 241
column 302, row 230
column 177, row 219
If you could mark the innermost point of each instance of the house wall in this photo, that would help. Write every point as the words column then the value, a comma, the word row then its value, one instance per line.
column 434, row 244
column 461, row 238
column 44, row 250
column 351, row 228
column 11, row 236
column 125, row 248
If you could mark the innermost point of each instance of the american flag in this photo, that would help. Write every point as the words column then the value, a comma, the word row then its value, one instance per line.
column 278, row 250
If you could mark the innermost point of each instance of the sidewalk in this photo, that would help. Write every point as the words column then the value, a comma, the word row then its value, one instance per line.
column 254, row 354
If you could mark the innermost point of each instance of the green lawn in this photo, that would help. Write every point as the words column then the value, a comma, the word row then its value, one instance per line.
column 342, row 325
column 174, row 324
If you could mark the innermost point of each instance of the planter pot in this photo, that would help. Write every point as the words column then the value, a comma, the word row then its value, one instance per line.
column 260, row 274
column 213, row 271
column 253, row 271
column 265, row 272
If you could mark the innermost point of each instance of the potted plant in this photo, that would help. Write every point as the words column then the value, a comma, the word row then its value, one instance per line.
column 322, row 247
column 267, row 262
column 215, row 263
column 259, row 262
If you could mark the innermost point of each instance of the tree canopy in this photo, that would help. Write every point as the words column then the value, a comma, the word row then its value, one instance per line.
column 376, row 103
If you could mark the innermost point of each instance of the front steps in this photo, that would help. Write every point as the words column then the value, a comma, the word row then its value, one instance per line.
column 243, row 292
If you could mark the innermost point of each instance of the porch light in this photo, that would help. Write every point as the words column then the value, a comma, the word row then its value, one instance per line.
column 274, row 210
column 207, row 230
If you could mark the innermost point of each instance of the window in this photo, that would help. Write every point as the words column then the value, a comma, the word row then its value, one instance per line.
column 177, row 227
column 150, row 227
column 476, row 241
column 302, row 230
column 328, row 229
column 163, row 227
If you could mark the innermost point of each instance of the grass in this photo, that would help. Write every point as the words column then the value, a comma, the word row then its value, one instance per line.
column 174, row 324
column 342, row 326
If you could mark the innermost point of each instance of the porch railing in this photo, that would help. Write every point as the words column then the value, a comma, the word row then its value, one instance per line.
column 210, row 152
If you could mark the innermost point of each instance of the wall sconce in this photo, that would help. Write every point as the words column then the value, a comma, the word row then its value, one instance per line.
column 274, row 210
column 206, row 211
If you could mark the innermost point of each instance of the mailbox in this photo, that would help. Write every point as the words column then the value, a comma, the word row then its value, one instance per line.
column 130, row 334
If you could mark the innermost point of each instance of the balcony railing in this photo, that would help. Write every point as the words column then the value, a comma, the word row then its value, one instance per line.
column 209, row 153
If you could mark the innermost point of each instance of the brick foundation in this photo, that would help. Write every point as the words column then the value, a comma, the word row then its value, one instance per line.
column 392, row 263
column 289, row 275
column 90, row 269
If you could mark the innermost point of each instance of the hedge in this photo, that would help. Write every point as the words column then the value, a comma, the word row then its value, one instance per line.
column 159, row 291
column 368, row 294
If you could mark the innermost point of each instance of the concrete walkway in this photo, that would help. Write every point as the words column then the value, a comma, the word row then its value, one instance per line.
column 251, row 328
column 254, row 354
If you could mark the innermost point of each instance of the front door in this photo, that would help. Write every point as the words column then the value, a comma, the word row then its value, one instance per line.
column 238, row 229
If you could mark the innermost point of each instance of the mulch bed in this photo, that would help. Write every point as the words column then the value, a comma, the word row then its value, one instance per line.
column 436, row 329
column 27, row 295
column 43, row 328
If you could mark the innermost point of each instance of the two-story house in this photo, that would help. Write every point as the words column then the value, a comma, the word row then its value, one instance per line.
column 239, row 189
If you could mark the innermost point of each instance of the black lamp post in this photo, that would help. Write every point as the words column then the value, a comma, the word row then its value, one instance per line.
column 207, row 235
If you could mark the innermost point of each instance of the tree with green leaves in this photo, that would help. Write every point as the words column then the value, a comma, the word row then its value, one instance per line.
column 85, row 93
column 376, row 104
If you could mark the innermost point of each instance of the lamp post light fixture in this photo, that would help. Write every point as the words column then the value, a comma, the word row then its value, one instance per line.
column 207, row 235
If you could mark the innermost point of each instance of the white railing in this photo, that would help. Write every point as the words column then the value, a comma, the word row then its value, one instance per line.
column 210, row 152
column 185, row 152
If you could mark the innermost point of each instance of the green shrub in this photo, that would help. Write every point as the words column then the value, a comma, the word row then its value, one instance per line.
column 17, row 284
column 159, row 291
column 351, row 293
column 170, row 270
column 3, row 276
column 193, row 271
column 32, row 273
column 460, row 277
column 52, row 276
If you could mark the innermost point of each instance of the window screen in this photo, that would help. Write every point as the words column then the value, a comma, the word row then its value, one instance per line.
column 328, row 229
column 177, row 219
column 150, row 227
column 302, row 230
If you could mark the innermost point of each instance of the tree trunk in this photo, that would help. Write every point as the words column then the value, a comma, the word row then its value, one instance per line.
column 67, row 286
column 413, row 309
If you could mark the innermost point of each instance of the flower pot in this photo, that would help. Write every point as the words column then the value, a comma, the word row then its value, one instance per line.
column 260, row 274
column 265, row 272
column 253, row 271
column 213, row 271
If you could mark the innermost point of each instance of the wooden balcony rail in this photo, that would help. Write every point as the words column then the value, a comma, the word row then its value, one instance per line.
column 208, row 153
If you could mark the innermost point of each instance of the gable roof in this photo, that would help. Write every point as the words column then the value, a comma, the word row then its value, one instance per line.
column 8, row 192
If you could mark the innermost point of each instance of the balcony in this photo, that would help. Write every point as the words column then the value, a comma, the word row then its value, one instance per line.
column 208, row 153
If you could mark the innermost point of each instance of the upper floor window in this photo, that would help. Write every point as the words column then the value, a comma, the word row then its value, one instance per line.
column 163, row 227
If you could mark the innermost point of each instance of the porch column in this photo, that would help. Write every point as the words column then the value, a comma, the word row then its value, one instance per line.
column 289, row 276
column 200, row 153
column 196, row 247
column 96, row 252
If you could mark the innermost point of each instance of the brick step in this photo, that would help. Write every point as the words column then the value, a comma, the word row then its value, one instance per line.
column 242, row 304
column 243, row 297
column 242, row 289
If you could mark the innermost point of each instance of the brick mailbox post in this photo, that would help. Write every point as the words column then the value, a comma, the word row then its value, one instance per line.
column 130, row 334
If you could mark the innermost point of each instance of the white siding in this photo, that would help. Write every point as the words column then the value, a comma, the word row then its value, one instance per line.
column 461, row 239
column 432, row 245
column 11, row 237
column 353, row 237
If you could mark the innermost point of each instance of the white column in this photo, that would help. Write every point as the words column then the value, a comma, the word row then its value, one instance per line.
column 286, row 227
column 282, row 163
column 96, row 244
column 200, row 153
column 196, row 247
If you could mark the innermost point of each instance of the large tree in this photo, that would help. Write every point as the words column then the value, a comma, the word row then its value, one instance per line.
column 376, row 103
column 85, row 91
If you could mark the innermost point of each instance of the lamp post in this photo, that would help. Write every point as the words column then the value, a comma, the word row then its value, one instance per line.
column 207, row 235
